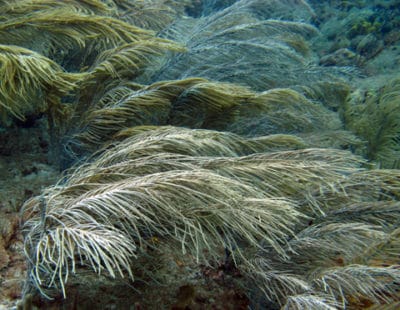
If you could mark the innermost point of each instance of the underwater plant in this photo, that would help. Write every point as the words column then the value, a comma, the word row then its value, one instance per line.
column 49, row 31
column 30, row 83
column 275, row 212
column 215, row 135
column 375, row 117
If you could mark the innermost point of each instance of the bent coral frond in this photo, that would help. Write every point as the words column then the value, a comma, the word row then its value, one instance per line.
column 30, row 82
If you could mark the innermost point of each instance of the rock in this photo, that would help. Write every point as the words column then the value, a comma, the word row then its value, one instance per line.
column 4, row 257
column 9, row 224
column 340, row 42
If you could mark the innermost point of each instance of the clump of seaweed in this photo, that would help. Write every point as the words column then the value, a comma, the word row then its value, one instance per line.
column 247, row 43
column 201, row 191
column 218, row 136
column 374, row 116
column 31, row 83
